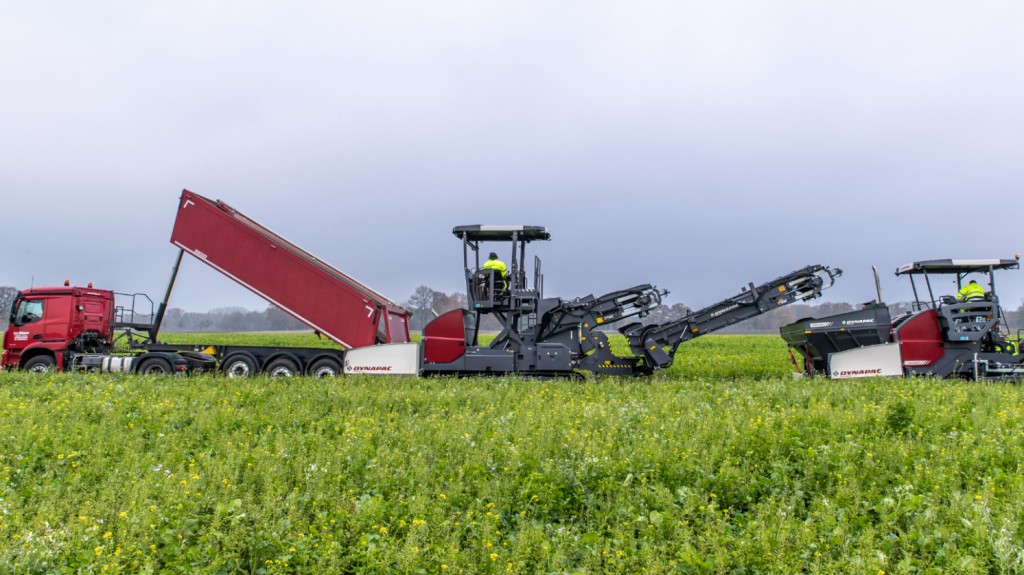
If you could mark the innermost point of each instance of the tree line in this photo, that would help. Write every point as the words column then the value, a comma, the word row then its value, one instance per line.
column 426, row 303
column 228, row 319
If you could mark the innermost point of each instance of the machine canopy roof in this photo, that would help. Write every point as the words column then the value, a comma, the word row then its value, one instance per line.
column 956, row 266
column 501, row 233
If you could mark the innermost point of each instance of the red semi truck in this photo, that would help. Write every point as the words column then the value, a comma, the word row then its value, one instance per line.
column 68, row 327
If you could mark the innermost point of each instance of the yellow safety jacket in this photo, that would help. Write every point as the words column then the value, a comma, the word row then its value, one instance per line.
column 496, row 265
column 971, row 291
column 502, row 271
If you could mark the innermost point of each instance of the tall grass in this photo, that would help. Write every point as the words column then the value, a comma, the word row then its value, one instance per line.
column 698, row 470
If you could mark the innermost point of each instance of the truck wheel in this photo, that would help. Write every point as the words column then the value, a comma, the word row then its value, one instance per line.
column 155, row 366
column 282, row 367
column 325, row 367
column 40, row 364
column 239, row 366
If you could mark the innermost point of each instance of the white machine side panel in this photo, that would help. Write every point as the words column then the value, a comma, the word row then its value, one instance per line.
column 871, row 361
column 389, row 359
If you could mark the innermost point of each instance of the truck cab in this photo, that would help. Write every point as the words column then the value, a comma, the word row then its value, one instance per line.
column 47, row 322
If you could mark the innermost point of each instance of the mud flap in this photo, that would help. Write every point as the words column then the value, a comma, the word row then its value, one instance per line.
column 870, row 361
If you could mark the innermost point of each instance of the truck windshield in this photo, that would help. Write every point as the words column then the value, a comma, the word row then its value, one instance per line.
column 28, row 311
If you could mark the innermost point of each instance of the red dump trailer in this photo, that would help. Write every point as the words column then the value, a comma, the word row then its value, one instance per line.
column 68, row 328
column 318, row 295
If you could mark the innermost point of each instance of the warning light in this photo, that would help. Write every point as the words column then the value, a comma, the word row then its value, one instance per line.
column 89, row 285
column 67, row 283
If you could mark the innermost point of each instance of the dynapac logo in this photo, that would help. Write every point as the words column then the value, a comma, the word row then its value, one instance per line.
column 369, row 368
column 848, row 372
column 858, row 321
column 724, row 310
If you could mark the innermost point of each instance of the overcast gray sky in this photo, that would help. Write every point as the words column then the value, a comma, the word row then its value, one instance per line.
column 693, row 145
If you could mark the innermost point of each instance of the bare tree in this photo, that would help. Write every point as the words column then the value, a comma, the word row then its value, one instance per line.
column 426, row 302
column 664, row 313
column 447, row 302
column 421, row 304
column 7, row 295
column 276, row 319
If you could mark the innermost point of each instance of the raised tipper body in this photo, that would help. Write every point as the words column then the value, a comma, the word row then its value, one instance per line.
column 312, row 291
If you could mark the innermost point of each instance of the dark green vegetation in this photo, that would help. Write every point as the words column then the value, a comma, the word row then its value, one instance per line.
column 723, row 464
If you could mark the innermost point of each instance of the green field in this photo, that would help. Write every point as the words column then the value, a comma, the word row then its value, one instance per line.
column 722, row 464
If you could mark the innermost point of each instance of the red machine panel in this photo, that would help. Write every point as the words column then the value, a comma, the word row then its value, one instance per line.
column 920, row 339
column 444, row 338
column 285, row 275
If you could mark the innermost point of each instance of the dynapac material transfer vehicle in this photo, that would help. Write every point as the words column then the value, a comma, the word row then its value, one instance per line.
column 555, row 337
column 68, row 328
column 941, row 336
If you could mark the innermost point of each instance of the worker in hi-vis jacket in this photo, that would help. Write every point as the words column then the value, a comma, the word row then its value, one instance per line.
column 970, row 292
column 493, row 263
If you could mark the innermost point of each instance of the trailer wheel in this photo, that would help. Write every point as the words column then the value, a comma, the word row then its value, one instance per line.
column 325, row 367
column 155, row 366
column 239, row 366
column 40, row 364
column 282, row 367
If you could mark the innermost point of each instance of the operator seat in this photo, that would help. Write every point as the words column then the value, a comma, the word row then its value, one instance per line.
column 973, row 317
column 482, row 284
column 501, row 283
